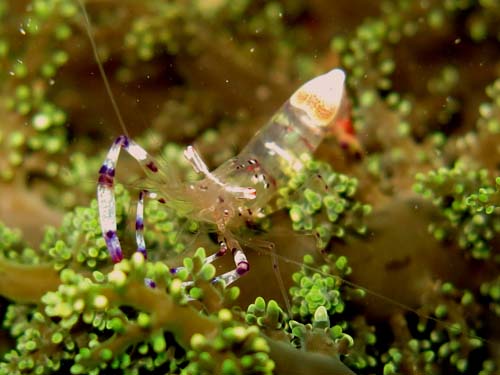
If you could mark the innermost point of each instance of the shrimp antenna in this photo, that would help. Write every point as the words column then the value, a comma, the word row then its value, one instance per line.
column 380, row 296
column 101, row 68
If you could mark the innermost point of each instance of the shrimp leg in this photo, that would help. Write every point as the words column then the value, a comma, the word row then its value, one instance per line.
column 199, row 166
column 240, row 261
column 139, row 224
column 105, row 192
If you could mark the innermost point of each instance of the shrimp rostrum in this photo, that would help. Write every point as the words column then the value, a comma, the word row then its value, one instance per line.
column 234, row 193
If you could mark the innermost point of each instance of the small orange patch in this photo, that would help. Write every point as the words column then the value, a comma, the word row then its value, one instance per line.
column 322, row 112
column 301, row 96
column 314, row 106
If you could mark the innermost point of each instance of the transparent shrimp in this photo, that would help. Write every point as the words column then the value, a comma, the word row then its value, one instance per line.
column 273, row 155
column 234, row 193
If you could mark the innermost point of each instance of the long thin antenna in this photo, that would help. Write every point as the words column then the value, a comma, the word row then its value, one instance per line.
column 101, row 68
column 380, row 296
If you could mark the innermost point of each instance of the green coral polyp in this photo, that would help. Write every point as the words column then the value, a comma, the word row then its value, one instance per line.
column 269, row 317
column 317, row 198
column 254, row 350
column 314, row 290
column 467, row 200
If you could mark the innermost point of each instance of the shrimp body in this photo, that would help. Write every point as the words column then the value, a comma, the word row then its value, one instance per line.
column 273, row 155
column 235, row 192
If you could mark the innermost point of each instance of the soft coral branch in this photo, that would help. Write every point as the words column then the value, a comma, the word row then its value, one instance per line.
column 24, row 283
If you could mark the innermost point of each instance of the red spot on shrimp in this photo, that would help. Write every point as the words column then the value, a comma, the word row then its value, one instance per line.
column 105, row 180
column 242, row 268
column 343, row 130
column 253, row 165
column 345, row 125
column 152, row 166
